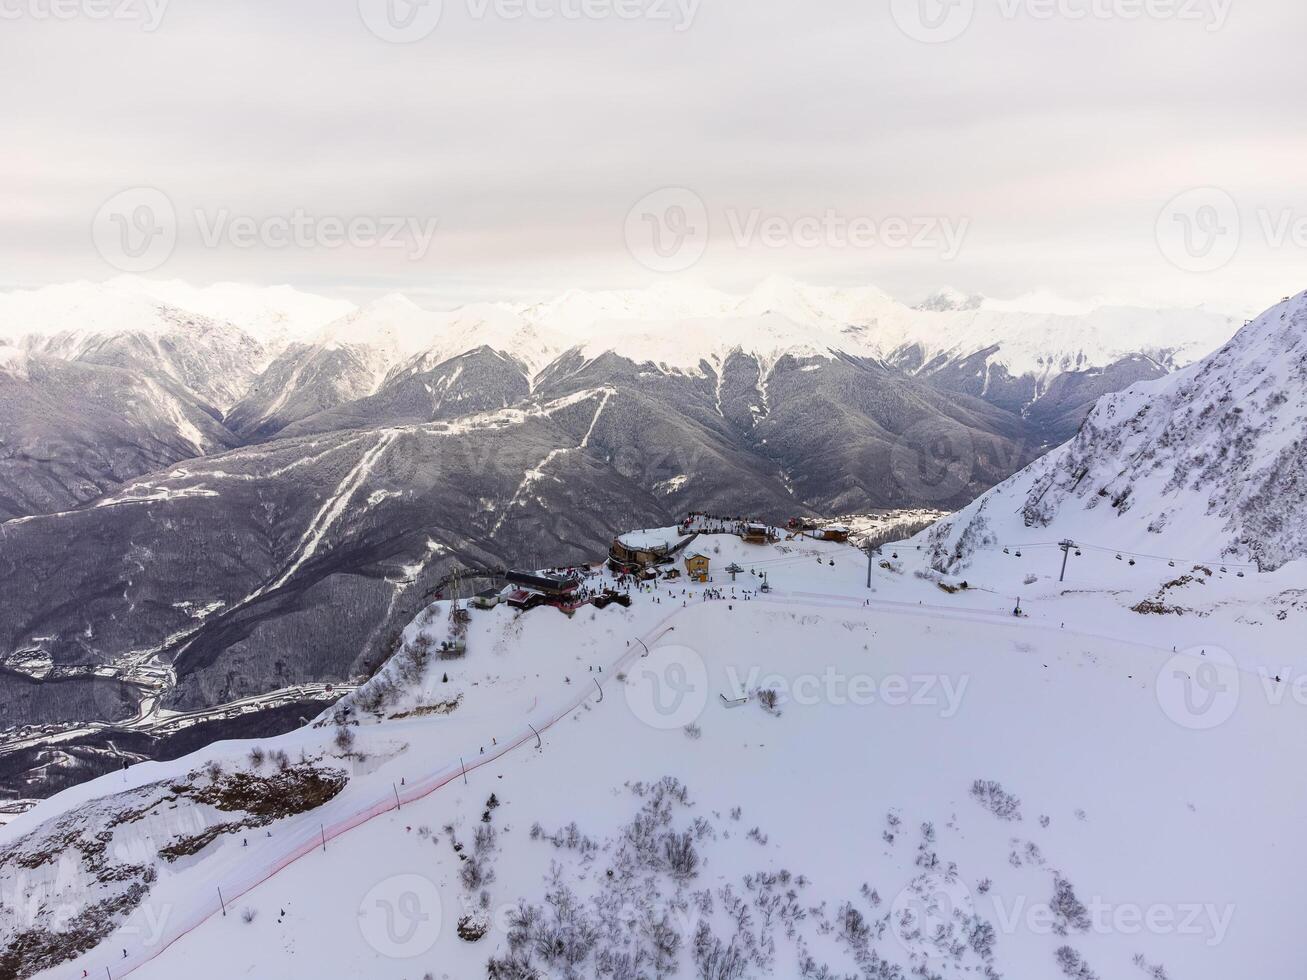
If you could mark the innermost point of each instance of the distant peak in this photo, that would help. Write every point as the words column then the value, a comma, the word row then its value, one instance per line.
column 392, row 302
column 949, row 300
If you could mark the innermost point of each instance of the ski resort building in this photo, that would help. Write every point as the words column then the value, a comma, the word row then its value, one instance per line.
column 552, row 585
column 832, row 532
column 639, row 550
column 487, row 599
column 697, row 567
column 757, row 534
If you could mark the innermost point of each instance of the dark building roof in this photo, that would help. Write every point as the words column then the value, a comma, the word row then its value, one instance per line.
column 545, row 582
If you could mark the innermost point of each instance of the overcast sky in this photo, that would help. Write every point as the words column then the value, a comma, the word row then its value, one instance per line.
column 1119, row 150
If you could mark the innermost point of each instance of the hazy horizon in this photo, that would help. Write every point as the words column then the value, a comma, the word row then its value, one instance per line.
column 1102, row 151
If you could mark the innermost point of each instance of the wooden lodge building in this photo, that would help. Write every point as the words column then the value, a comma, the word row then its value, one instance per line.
column 819, row 530
column 832, row 532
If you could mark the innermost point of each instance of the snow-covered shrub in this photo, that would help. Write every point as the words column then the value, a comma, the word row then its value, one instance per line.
column 477, row 869
column 475, row 873
column 681, row 855
column 1069, row 911
column 472, row 926
column 981, row 938
column 1074, row 965
column 512, row 967
column 993, row 798
column 344, row 739
column 1156, row 971
column 769, row 700
column 715, row 960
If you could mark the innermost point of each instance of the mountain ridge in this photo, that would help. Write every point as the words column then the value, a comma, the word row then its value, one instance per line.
column 1207, row 462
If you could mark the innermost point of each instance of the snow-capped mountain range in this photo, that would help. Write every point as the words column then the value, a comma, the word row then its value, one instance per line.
column 1206, row 464
column 198, row 511
column 262, row 358
column 645, row 325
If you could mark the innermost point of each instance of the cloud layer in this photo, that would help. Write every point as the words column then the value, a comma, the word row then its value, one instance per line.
column 1123, row 149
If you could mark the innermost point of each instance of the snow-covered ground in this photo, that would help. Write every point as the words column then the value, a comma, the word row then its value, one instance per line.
column 939, row 784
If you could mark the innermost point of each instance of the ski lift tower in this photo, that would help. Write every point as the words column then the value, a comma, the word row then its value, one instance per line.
column 458, row 616
column 872, row 551
column 1066, row 547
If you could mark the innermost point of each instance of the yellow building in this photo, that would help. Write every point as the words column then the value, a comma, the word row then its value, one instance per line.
column 696, row 567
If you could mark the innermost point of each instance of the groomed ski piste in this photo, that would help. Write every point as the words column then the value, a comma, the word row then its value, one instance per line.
column 824, row 779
